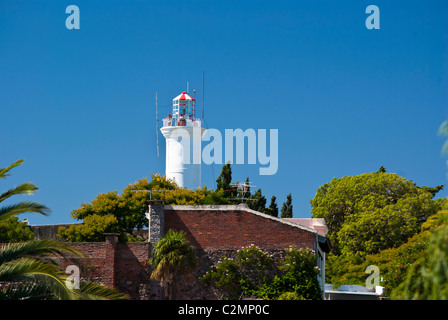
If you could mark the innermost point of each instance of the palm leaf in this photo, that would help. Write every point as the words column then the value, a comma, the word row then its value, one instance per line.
column 25, row 188
column 94, row 291
column 9, row 211
column 26, row 291
column 27, row 269
column 3, row 171
column 36, row 249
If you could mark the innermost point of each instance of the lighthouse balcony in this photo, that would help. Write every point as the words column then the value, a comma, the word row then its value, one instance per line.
column 173, row 122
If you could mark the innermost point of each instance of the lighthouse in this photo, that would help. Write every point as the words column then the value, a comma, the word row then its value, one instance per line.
column 183, row 134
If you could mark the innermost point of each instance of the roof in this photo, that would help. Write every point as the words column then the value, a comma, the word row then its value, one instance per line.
column 184, row 96
column 317, row 224
column 240, row 207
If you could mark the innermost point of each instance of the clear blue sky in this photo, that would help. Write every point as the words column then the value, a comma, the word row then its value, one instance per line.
column 78, row 105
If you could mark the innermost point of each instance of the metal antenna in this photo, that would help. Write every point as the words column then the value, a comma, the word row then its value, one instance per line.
column 194, row 109
column 242, row 188
column 157, row 125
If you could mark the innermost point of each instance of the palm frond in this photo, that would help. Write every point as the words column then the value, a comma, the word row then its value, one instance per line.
column 27, row 269
column 94, row 291
column 37, row 249
column 3, row 171
column 443, row 129
column 26, row 291
column 25, row 188
column 12, row 210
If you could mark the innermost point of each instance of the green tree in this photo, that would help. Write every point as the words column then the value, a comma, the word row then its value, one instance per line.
column 427, row 279
column 246, row 194
column 12, row 230
column 298, row 274
column 173, row 258
column 287, row 207
column 272, row 209
column 257, row 202
column 381, row 169
column 224, row 180
column 393, row 263
column 92, row 230
column 371, row 212
column 130, row 206
column 28, row 270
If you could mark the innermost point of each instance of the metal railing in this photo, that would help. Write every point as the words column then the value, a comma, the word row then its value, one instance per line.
column 173, row 122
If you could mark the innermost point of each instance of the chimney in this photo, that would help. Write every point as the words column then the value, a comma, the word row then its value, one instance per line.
column 109, row 265
column 156, row 217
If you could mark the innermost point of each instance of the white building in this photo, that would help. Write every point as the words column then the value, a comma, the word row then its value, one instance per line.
column 183, row 133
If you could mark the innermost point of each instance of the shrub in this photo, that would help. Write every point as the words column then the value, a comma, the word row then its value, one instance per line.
column 290, row 296
column 254, row 273
column 92, row 230
column 12, row 230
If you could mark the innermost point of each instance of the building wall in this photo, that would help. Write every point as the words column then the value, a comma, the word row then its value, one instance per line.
column 214, row 231
column 221, row 230
column 115, row 264
column 228, row 229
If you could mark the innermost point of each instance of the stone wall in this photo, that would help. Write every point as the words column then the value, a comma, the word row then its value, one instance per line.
column 200, row 291
column 230, row 227
column 115, row 264
column 215, row 231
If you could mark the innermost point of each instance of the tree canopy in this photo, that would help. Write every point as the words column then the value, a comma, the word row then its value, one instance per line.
column 287, row 207
column 373, row 211
column 125, row 212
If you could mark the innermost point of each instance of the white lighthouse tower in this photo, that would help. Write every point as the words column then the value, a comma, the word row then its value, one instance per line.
column 183, row 133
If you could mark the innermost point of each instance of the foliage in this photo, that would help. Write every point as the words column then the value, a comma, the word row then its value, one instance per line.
column 224, row 180
column 254, row 273
column 298, row 274
column 290, row 296
column 12, row 230
column 272, row 210
column 92, row 230
column 258, row 202
column 427, row 278
column 371, row 212
column 31, row 272
column 173, row 258
column 287, row 207
column 130, row 207
column 394, row 263
column 28, row 270
column 26, row 188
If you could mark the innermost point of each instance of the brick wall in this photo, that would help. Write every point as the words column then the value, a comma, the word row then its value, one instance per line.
column 115, row 264
column 221, row 230
column 228, row 229
column 214, row 231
